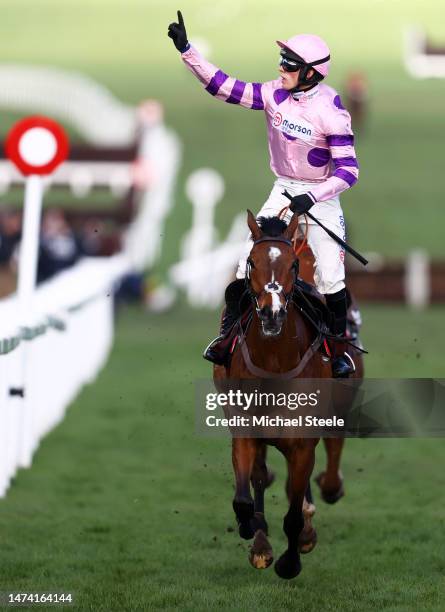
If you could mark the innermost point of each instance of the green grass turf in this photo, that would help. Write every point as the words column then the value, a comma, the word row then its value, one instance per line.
column 126, row 507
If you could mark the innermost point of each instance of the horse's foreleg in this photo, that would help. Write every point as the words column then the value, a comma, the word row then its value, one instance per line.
column 300, row 460
column 243, row 458
column 308, row 537
column 261, row 555
column 331, row 481
column 262, row 478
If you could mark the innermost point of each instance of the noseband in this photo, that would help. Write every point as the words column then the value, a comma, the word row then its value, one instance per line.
column 272, row 287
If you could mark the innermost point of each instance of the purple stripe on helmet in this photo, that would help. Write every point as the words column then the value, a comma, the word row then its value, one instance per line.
column 280, row 95
column 237, row 92
column 346, row 176
column 257, row 97
column 318, row 157
column 289, row 137
column 216, row 82
column 345, row 161
column 338, row 102
column 340, row 140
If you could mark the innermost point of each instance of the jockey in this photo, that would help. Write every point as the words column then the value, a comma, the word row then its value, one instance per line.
column 312, row 155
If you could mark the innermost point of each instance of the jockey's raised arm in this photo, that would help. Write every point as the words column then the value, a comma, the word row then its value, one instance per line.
column 222, row 86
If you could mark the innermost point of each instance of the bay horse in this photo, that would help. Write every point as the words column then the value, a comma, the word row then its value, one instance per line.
column 274, row 347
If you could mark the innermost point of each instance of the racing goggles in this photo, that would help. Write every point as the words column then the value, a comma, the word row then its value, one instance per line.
column 290, row 63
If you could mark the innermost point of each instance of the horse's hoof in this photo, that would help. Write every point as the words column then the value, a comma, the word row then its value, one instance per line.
column 307, row 542
column 329, row 496
column 260, row 561
column 261, row 555
column 288, row 566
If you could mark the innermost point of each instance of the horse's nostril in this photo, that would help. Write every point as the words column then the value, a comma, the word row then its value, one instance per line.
column 265, row 313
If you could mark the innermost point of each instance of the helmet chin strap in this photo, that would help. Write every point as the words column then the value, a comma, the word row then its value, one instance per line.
column 297, row 89
column 303, row 80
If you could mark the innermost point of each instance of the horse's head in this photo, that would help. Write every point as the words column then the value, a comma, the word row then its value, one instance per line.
column 271, row 269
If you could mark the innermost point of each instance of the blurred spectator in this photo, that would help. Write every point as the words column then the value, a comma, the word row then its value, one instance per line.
column 432, row 49
column 91, row 236
column 10, row 231
column 356, row 99
column 59, row 248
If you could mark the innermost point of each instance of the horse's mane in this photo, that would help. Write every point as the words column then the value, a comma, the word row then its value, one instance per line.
column 272, row 226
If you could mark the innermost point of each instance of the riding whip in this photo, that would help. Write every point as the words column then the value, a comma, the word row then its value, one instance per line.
column 334, row 236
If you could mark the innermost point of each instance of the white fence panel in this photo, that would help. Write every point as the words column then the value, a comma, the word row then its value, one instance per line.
column 54, row 364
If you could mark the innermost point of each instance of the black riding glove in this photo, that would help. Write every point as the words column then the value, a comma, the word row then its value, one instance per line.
column 301, row 203
column 176, row 31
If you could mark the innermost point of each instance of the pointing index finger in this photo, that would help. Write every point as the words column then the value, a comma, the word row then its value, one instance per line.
column 180, row 19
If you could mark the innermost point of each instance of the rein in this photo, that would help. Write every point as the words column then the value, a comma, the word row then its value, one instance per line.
column 260, row 373
column 282, row 214
column 322, row 329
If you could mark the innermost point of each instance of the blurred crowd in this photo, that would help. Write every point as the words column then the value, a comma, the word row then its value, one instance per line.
column 60, row 245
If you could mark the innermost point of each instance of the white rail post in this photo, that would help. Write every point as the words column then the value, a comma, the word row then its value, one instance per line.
column 30, row 243
column 417, row 279
column 204, row 188
column 26, row 284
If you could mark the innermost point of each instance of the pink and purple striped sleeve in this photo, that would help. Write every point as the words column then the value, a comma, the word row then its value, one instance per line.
column 345, row 166
column 222, row 86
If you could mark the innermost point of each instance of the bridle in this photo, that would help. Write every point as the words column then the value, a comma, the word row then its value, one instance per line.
column 312, row 349
column 272, row 287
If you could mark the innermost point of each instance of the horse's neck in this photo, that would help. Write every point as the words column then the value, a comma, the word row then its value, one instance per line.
column 279, row 352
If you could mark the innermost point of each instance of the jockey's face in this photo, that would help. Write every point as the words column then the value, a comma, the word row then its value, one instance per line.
column 290, row 80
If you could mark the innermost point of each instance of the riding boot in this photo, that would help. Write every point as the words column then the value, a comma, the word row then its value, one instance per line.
column 218, row 350
column 342, row 362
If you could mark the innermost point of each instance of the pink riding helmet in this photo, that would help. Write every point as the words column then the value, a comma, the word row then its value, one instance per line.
column 311, row 48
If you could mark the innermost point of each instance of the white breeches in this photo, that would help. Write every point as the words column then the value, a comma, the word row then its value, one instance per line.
column 329, row 256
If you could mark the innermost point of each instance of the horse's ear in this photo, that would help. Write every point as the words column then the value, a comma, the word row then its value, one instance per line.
column 253, row 226
column 292, row 227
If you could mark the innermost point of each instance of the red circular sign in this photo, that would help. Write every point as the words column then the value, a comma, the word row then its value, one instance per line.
column 37, row 145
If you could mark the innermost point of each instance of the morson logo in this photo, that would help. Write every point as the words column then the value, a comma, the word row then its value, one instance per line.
column 298, row 128
column 278, row 119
